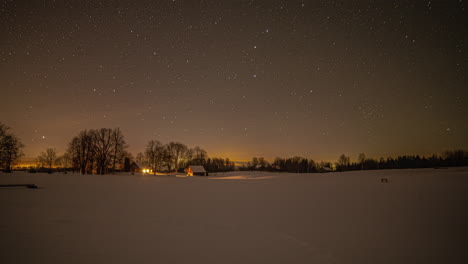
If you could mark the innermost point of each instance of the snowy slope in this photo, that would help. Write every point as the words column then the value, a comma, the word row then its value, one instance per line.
column 237, row 217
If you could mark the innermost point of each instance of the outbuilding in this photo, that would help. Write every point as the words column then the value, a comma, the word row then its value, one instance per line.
column 136, row 167
column 196, row 170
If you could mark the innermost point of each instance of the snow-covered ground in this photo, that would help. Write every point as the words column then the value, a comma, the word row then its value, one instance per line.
column 419, row 216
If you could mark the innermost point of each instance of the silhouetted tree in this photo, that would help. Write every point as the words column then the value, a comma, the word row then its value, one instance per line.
column 81, row 150
column 177, row 152
column 64, row 161
column 343, row 162
column 154, row 155
column 168, row 160
column 254, row 163
column 47, row 158
column 119, row 146
column 103, row 146
column 295, row 164
column 311, row 167
column 10, row 148
column 219, row 165
column 456, row 157
column 361, row 160
column 199, row 156
column 262, row 163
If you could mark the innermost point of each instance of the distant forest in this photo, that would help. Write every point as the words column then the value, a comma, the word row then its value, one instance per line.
column 451, row 158
column 100, row 151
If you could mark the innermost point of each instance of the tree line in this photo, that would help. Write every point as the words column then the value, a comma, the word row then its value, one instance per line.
column 297, row 164
column 104, row 150
column 294, row 164
column 450, row 158
column 94, row 151
column 100, row 151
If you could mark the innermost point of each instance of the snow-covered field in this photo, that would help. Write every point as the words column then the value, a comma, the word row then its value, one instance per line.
column 419, row 216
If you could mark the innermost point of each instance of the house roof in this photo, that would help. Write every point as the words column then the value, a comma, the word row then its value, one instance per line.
column 198, row 168
column 135, row 163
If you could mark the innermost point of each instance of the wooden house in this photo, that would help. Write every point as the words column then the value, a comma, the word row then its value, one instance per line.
column 136, row 167
column 196, row 170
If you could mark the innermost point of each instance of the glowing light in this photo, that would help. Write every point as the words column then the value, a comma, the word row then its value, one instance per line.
column 147, row 171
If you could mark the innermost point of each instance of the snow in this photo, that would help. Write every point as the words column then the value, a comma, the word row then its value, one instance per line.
column 197, row 169
column 419, row 216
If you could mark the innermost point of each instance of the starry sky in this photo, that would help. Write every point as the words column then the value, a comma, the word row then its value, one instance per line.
column 239, row 78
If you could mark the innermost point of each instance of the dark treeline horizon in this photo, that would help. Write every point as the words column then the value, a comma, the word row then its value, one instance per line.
column 104, row 150
column 297, row 164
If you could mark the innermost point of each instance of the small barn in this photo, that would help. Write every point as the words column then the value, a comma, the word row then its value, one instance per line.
column 136, row 167
column 196, row 170
column 325, row 169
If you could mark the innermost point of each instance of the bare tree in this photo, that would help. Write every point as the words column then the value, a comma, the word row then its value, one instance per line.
column 119, row 146
column 168, row 160
column 11, row 151
column 141, row 159
column 154, row 155
column 3, row 133
column 199, row 156
column 98, row 149
column 362, row 160
column 103, row 146
column 254, row 162
column 3, row 130
column 262, row 162
column 187, row 160
column 10, row 148
column 64, row 161
column 177, row 152
column 81, row 151
column 48, row 158
column 343, row 161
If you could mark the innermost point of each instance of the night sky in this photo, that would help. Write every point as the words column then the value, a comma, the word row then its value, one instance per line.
column 239, row 78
